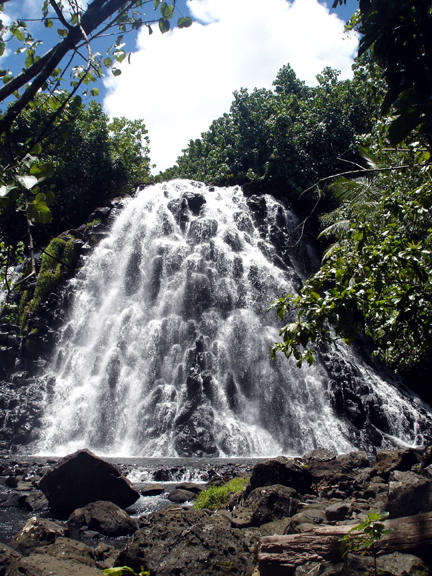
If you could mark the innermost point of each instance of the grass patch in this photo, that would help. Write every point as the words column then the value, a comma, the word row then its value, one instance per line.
column 217, row 496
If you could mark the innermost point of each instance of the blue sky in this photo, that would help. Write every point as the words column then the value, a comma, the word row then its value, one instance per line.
column 180, row 81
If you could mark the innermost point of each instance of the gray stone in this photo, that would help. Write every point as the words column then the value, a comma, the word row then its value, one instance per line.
column 103, row 517
column 337, row 512
column 398, row 564
column 37, row 532
column 152, row 490
column 181, row 496
column 46, row 565
column 408, row 494
column 8, row 560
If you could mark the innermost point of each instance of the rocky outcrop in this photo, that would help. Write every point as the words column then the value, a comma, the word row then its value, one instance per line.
column 190, row 543
column 82, row 478
column 25, row 345
column 286, row 527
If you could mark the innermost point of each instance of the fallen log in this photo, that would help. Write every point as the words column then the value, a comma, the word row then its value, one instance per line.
column 281, row 555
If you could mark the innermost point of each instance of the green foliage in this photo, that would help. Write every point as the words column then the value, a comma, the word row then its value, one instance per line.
column 398, row 34
column 375, row 280
column 125, row 571
column 83, row 163
column 56, row 262
column 288, row 137
column 217, row 496
column 362, row 539
column 49, row 70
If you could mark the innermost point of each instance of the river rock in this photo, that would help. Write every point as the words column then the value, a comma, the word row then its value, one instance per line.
column 268, row 503
column 103, row 517
column 190, row 543
column 338, row 511
column 152, row 490
column 408, row 494
column 47, row 565
column 190, row 487
column 81, row 478
column 68, row 549
column 281, row 470
column 389, row 460
column 8, row 560
column 37, row 532
column 180, row 496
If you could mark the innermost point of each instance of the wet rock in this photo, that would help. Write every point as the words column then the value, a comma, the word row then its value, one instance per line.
column 190, row 543
column 180, row 496
column 281, row 470
column 103, row 517
column 194, row 201
column 37, row 532
column 202, row 229
column 81, row 478
column 152, row 490
column 190, row 486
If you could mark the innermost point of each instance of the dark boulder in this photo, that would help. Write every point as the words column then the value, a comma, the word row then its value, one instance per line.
column 103, row 517
column 404, row 460
column 190, row 486
column 408, row 494
column 81, row 478
column 152, row 490
column 180, row 496
column 265, row 504
column 281, row 470
column 190, row 543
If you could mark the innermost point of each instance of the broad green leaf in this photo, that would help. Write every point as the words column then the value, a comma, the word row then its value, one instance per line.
column 37, row 149
column 94, row 92
column 164, row 25
column 119, row 55
column 184, row 22
column 62, row 32
column 39, row 212
column 116, row 71
column 167, row 10
column 48, row 23
column 108, row 62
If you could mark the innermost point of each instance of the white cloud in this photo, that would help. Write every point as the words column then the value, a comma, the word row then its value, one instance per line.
column 181, row 81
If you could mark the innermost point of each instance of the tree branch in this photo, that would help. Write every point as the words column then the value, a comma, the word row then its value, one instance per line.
column 60, row 14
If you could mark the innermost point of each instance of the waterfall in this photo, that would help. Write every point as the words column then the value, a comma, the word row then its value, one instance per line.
column 166, row 350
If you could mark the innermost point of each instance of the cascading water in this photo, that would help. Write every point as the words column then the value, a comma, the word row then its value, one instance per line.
column 166, row 350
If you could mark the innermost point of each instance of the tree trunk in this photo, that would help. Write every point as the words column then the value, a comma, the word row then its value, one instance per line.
column 281, row 555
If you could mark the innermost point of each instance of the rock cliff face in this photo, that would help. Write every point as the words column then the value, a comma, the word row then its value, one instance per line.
column 159, row 345
column 27, row 343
